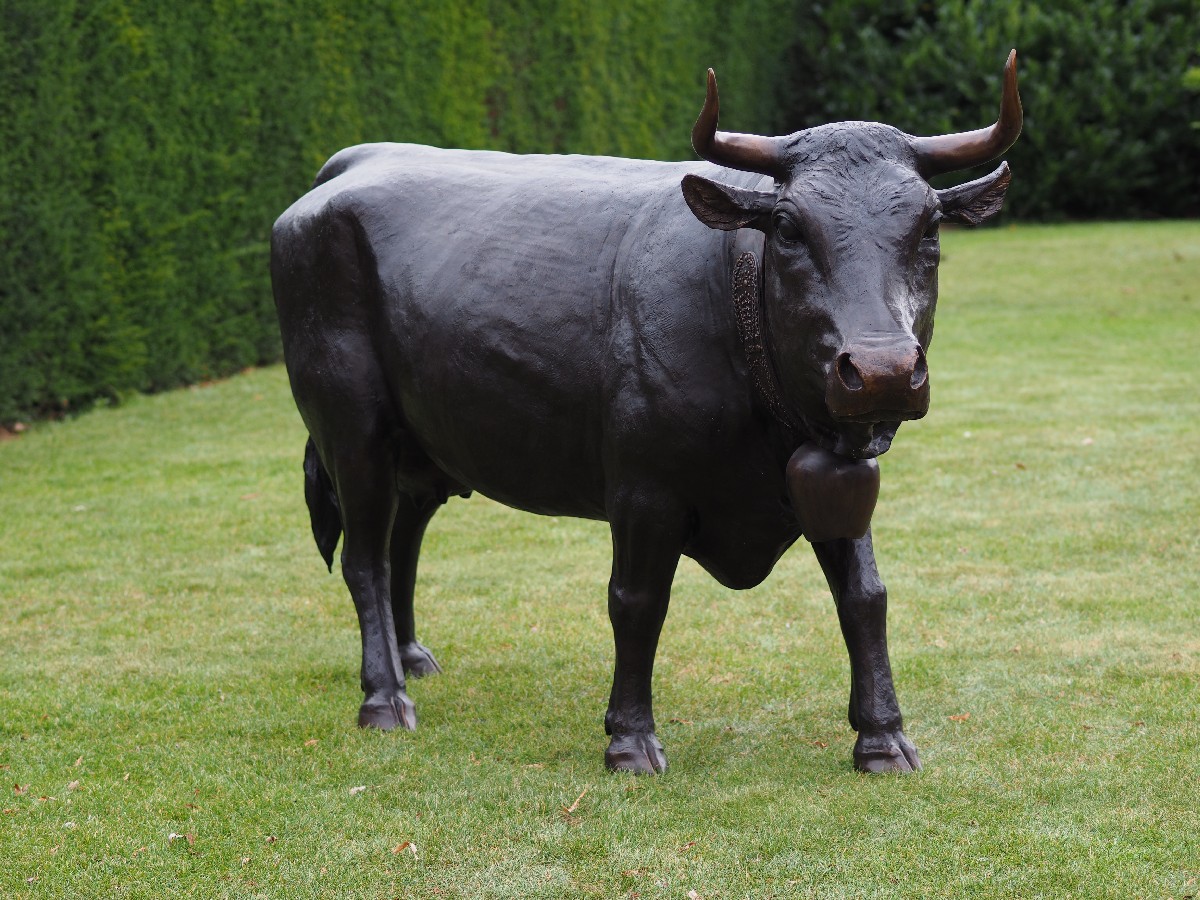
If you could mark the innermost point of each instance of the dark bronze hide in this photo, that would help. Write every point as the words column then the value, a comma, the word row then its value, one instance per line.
column 711, row 370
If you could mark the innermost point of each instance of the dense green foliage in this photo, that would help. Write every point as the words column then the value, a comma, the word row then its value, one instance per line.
column 1107, row 114
column 147, row 145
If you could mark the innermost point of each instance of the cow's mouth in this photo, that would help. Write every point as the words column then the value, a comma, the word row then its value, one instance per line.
column 853, row 440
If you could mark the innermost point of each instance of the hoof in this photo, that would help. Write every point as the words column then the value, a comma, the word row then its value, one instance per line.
column 418, row 661
column 638, row 752
column 388, row 713
column 885, row 751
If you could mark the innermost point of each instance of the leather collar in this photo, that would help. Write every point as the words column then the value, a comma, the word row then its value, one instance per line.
column 751, row 326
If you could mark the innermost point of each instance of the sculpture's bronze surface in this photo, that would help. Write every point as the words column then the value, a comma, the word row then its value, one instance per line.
column 563, row 335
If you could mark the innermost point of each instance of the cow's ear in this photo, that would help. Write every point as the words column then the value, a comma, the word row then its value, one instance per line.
column 726, row 207
column 976, row 201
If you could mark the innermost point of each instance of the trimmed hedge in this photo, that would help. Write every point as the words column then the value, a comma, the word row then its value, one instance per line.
column 148, row 145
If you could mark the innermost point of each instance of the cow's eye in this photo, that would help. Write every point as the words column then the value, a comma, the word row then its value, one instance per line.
column 787, row 230
column 931, row 230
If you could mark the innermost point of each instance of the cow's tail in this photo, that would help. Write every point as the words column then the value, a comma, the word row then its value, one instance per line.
column 322, row 501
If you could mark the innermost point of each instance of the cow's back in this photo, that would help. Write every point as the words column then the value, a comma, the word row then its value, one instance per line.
column 529, row 313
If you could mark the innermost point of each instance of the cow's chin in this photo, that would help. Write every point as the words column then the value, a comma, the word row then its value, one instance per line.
column 853, row 440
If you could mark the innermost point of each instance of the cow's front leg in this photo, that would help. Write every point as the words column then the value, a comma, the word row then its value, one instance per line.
column 861, row 598
column 647, row 541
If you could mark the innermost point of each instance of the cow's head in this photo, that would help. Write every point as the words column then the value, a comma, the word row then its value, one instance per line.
column 851, row 255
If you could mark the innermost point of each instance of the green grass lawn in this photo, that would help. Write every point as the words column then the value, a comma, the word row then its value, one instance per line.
column 179, row 674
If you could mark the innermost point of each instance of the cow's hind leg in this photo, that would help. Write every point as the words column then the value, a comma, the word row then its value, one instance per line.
column 861, row 599
column 647, row 541
column 364, row 476
column 412, row 515
column 324, row 290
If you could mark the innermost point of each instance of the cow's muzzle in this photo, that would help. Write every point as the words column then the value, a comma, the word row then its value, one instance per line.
column 878, row 379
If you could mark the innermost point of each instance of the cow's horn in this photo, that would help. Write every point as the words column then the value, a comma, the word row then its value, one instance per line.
column 950, row 152
column 748, row 152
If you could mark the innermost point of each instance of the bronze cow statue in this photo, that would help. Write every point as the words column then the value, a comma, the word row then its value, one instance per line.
column 708, row 356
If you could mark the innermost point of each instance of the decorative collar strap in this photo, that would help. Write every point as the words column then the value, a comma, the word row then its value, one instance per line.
column 748, row 311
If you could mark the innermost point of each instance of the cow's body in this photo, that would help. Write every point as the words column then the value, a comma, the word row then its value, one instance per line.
column 536, row 320
column 559, row 333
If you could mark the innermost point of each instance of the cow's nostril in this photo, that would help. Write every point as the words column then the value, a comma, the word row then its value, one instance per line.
column 849, row 374
column 920, row 372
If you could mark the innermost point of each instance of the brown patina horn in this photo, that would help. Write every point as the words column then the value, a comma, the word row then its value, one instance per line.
column 748, row 152
column 935, row 155
column 951, row 152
